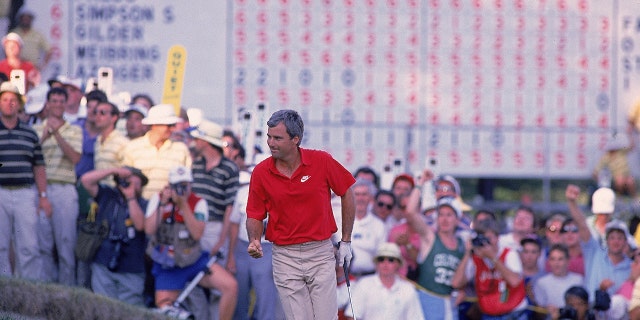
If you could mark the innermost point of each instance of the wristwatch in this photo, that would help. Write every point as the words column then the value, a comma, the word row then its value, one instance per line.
column 43, row 194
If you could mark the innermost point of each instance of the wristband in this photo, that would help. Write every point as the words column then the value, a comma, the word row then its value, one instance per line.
column 43, row 194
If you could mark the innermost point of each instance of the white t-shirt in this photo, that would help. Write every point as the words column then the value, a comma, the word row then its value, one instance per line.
column 549, row 289
column 373, row 301
column 368, row 233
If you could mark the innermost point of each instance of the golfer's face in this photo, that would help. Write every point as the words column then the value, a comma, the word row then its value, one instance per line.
column 280, row 144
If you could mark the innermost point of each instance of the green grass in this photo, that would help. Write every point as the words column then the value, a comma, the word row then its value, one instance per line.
column 23, row 299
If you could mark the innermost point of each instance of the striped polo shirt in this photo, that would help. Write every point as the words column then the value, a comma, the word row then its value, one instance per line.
column 218, row 186
column 60, row 169
column 20, row 151
column 108, row 153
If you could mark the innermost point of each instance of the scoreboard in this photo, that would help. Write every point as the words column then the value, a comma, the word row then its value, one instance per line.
column 526, row 88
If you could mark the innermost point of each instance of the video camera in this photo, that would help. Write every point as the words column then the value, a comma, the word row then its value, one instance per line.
column 479, row 240
column 122, row 182
column 568, row 313
column 179, row 188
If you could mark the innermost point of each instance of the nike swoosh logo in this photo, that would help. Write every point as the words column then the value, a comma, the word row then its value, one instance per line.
column 304, row 178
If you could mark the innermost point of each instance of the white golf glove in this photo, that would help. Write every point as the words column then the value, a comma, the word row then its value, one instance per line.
column 344, row 253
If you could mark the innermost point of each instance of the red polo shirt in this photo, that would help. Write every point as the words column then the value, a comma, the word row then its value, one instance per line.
column 299, row 207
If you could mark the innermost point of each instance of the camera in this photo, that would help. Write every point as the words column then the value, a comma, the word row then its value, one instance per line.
column 122, row 182
column 602, row 300
column 180, row 189
column 568, row 313
column 113, row 262
column 479, row 240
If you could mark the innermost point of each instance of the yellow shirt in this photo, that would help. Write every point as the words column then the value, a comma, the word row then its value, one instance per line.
column 155, row 163
column 108, row 153
column 60, row 168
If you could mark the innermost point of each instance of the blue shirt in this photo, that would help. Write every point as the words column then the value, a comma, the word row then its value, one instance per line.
column 115, row 210
column 86, row 162
column 598, row 267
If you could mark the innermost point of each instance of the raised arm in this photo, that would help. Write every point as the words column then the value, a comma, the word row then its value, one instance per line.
column 414, row 217
column 571, row 193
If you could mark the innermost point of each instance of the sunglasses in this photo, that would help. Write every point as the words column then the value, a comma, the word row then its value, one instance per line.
column 390, row 259
column 570, row 229
column 444, row 188
column 382, row 204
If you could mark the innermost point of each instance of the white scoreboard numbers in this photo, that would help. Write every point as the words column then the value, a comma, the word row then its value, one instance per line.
column 487, row 87
column 506, row 88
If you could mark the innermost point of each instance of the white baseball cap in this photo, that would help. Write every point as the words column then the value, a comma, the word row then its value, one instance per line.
column 603, row 201
column 180, row 174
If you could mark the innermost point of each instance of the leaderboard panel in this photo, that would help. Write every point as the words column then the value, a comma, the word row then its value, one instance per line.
column 503, row 88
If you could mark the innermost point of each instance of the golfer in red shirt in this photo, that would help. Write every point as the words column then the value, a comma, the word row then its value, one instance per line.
column 293, row 187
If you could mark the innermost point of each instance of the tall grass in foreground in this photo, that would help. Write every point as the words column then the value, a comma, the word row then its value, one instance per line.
column 52, row 301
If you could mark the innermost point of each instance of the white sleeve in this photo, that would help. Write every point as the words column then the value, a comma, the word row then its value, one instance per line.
column 152, row 205
column 202, row 210
column 240, row 205
column 512, row 262
column 470, row 270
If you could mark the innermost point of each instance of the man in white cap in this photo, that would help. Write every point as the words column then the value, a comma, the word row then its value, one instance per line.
column 385, row 295
column 154, row 153
column 605, row 268
column 34, row 106
column 603, row 205
column 12, row 44
column 36, row 46
column 74, row 112
column 175, row 209
column 215, row 179
column 23, row 188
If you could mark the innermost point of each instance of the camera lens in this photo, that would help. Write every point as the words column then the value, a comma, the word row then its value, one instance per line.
column 122, row 182
column 179, row 189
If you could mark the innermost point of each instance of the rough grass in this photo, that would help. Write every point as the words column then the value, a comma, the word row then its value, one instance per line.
column 23, row 299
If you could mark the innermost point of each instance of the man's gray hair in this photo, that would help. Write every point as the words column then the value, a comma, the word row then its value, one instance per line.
column 292, row 121
column 367, row 183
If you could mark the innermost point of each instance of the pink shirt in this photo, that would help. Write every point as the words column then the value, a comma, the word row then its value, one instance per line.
column 414, row 239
